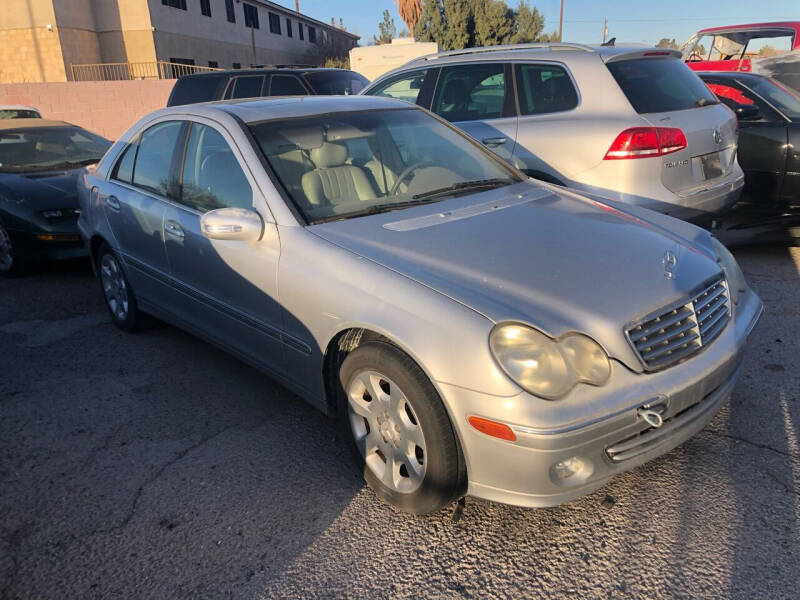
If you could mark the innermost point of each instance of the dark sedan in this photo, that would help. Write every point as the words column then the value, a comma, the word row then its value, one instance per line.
column 769, row 154
column 40, row 162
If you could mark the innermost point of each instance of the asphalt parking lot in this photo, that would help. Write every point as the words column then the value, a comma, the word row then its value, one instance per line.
column 155, row 466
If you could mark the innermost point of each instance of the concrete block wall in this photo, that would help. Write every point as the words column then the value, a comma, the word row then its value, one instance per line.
column 107, row 108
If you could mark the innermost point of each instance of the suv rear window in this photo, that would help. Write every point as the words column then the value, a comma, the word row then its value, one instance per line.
column 655, row 85
column 189, row 90
column 336, row 83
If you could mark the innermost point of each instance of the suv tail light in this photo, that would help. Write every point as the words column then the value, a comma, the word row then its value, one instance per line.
column 644, row 142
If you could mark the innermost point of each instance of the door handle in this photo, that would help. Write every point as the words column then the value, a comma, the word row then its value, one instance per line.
column 112, row 202
column 172, row 228
column 494, row 141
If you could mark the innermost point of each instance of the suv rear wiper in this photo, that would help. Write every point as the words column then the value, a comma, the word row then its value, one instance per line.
column 464, row 186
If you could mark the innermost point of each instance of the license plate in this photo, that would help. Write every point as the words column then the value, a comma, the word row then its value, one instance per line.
column 711, row 165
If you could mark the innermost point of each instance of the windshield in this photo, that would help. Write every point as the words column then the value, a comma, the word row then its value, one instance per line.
column 18, row 113
column 655, row 85
column 781, row 98
column 350, row 164
column 41, row 149
column 336, row 83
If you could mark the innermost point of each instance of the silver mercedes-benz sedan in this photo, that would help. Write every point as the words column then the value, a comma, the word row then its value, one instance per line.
column 476, row 332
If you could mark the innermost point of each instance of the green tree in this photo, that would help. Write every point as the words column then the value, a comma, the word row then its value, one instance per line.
column 494, row 22
column 667, row 43
column 529, row 25
column 387, row 30
column 459, row 32
column 431, row 25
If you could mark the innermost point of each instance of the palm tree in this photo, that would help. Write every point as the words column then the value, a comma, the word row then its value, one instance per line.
column 410, row 11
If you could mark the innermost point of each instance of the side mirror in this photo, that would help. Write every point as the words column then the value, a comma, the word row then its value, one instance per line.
column 232, row 224
column 747, row 113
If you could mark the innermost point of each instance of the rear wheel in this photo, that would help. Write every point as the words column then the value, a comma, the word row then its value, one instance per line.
column 11, row 264
column 117, row 293
column 400, row 430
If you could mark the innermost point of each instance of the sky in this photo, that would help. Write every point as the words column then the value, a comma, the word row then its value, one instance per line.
column 628, row 20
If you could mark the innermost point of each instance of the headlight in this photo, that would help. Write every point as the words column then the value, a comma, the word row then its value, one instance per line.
column 546, row 367
column 733, row 273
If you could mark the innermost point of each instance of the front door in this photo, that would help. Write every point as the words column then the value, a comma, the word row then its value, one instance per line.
column 478, row 98
column 227, row 289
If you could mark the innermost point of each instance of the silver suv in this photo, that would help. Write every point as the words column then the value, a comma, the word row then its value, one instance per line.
column 632, row 124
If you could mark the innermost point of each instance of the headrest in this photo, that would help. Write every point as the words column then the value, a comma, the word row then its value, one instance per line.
column 454, row 92
column 304, row 138
column 329, row 155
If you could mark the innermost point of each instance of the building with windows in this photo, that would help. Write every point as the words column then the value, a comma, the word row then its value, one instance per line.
column 41, row 40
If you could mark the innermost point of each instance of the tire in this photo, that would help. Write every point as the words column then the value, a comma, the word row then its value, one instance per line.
column 389, row 409
column 11, row 264
column 117, row 292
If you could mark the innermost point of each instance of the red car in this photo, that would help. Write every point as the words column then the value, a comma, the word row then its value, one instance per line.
column 734, row 48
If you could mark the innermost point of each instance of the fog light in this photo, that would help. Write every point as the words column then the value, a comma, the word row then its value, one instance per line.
column 568, row 468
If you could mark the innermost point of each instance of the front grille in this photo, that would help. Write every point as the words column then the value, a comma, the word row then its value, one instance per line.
column 675, row 334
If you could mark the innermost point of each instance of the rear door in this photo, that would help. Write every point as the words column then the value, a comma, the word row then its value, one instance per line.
column 762, row 141
column 135, row 198
column 479, row 98
column 666, row 93
column 226, row 289
column 286, row 85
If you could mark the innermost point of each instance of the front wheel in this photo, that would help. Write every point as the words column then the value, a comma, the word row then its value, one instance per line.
column 12, row 264
column 400, row 430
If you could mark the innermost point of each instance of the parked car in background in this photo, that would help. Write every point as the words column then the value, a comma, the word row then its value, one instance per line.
column 251, row 83
column 474, row 330
column 15, row 111
column 771, row 49
column 40, row 162
column 631, row 124
column 769, row 154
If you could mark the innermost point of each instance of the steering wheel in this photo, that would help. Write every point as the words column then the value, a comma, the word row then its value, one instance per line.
column 406, row 172
column 695, row 57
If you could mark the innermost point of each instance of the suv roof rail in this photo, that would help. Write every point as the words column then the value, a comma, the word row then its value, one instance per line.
column 532, row 46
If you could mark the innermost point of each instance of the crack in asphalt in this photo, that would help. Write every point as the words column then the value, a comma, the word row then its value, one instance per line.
column 786, row 487
column 751, row 443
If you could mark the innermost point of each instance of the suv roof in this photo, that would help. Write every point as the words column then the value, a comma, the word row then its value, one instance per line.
column 261, row 70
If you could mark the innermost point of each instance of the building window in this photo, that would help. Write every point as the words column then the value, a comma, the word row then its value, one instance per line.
column 237, row 65
column 213, row 64
column 175, row 3
column 231, row 12
column 251, row 16
column 289, row 27
column 300, row 30
column 274, row 23
column 205, row 7
column 312, row 35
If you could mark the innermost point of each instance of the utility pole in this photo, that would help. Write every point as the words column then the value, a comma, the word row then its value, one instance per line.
column 561, row 23
column 605, row 29
column 296, row 5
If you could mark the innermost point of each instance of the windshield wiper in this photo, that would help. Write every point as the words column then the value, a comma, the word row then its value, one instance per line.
column 462, row 186
column 374, row 210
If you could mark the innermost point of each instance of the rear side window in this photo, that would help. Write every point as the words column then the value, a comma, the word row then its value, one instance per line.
column 123, row 171
column 335, row 83
column 660, row 85
column 154, row 158
column 471, row 92
column 246, row 87
column 545, row 89
column 189, row 90
column 286, row 85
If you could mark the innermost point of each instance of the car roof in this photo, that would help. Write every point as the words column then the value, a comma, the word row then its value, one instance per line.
column 9, row 124
column 252, row 110
column 262, row 71
column 555, row 51
column 17, row 107
column 730, row 75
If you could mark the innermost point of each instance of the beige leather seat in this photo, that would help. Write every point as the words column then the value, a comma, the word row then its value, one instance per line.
column 334, row 181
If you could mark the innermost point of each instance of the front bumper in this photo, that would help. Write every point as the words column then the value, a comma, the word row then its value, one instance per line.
column 522, row 473
column 47, row 245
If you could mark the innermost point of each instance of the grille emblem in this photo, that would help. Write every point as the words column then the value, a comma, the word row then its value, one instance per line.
column 717, row 137
column 670, row 262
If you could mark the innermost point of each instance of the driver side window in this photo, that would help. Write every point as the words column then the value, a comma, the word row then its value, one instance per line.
column 212, row 177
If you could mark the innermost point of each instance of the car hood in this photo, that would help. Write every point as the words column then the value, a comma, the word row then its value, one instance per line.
column 40, row 191
column 540, row 255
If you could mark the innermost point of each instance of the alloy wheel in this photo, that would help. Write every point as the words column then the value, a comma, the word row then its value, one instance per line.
column 387, row 431
column 114, row 287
